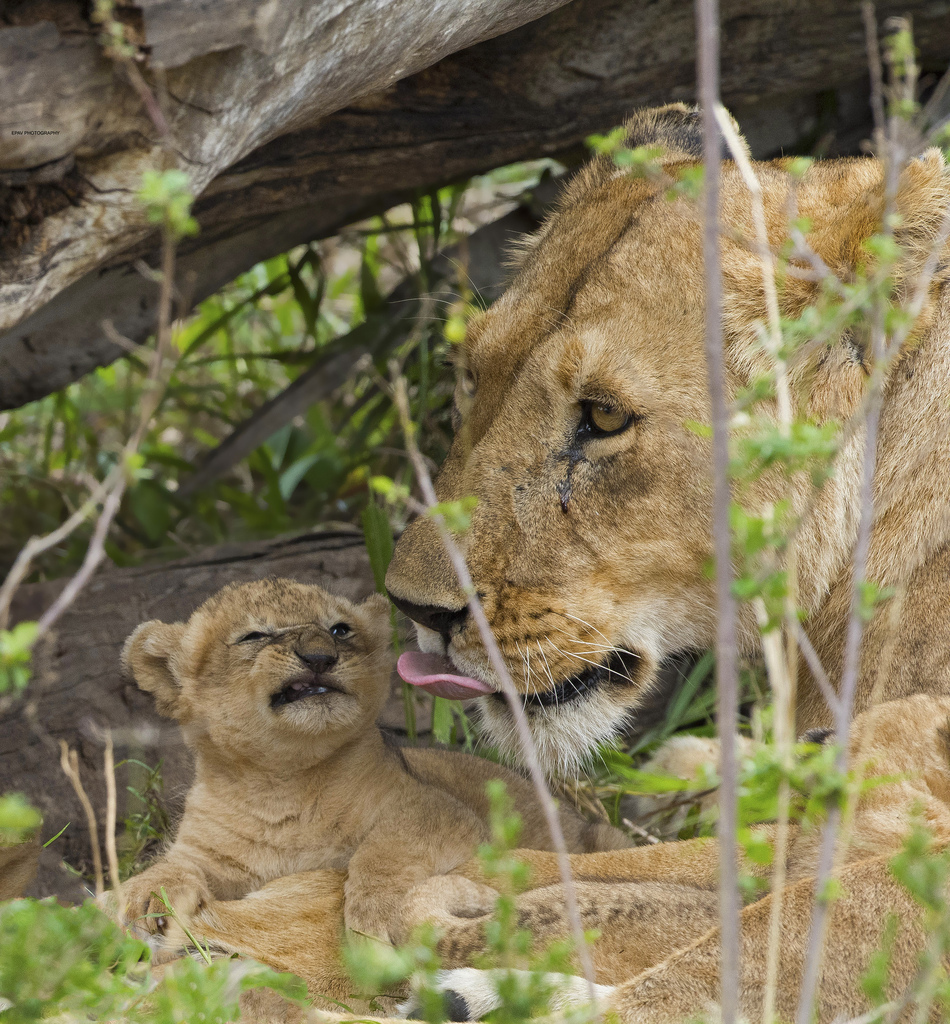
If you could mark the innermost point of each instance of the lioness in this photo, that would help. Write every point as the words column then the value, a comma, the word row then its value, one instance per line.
column 589, row 542
column 591, row 536
column 277, row 686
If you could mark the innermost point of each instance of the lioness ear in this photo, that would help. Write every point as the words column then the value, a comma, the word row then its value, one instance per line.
column 677, row 128
column 149, row 656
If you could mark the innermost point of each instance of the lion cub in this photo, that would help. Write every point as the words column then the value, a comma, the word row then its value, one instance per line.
column 277, row 686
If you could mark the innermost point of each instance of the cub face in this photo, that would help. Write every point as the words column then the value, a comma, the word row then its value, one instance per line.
column 268, row 669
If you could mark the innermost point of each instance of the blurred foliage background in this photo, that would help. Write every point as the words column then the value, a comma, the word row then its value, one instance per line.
column 240, row 349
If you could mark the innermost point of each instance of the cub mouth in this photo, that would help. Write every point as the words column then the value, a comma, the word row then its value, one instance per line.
column 619, row 670
column 300, row 687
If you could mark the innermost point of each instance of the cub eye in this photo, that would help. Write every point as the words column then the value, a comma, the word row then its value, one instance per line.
column 340, row 630
column 250, row 637
column 602, row 420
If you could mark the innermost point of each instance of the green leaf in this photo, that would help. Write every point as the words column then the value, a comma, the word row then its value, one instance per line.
column 607, row 145
column 372, row 298
column 296, row 471
column 150, row 504
column 379, row 543
column 18, row 819
column 167, row 198
column 16, row 646
column 442, row 715
column 457, row 514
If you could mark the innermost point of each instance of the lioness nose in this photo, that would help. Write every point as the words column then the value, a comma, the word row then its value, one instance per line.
column 317, row 661
column 443, row 620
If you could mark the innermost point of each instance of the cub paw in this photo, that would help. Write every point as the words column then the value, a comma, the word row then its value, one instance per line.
column 151, row 902
column 369, row 917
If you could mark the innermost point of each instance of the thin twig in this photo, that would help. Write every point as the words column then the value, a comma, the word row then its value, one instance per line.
column 69, row 762
column 94, row 555
column 37, row 545
column 109, row 493
column 781, row 664
column 640, row 831
column 782, row 687
column 727, row 680
column 828, row 853
column 112, row 489
column 873, row 49
column 818, row 673
column 528, row 749
column 111, row 853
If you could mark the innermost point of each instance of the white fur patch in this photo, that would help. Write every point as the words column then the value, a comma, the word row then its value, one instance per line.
column 479, row 989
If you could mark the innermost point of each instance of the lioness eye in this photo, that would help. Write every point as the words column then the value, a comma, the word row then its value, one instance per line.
column 340, row 630
column 249, row 637
column 601, row 420
column 466, row 383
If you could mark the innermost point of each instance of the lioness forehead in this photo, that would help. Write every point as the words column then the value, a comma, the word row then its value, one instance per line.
column 613, row 283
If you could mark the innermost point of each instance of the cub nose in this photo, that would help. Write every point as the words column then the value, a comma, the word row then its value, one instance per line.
column 317, row 661
column 443, row 620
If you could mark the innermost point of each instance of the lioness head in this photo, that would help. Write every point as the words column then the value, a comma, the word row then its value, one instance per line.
column 590, row 543
column 268, row 669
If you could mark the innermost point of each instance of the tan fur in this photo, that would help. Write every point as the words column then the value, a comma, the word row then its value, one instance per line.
column 656, row 907
column 309, row 784
column 18, row 865
column 692, row 759
column 583, row 548
column 904, row 741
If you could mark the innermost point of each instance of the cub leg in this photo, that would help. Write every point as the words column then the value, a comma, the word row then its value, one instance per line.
column 291, row 924
column 401, row 851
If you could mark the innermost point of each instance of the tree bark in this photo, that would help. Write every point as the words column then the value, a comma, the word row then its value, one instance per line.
column 254, row 102
column 78, row 687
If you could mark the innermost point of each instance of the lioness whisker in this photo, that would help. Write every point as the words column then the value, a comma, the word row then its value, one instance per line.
column 587, row 661
column 549, row 672
column 584, row 622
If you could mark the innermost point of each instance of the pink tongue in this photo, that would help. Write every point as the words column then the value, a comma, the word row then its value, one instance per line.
column 433, row 672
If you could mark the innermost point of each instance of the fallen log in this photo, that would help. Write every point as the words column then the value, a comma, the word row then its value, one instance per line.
column 348, row 129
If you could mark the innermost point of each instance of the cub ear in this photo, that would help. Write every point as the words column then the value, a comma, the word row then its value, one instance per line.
column 375, row 613
column 150, row 656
